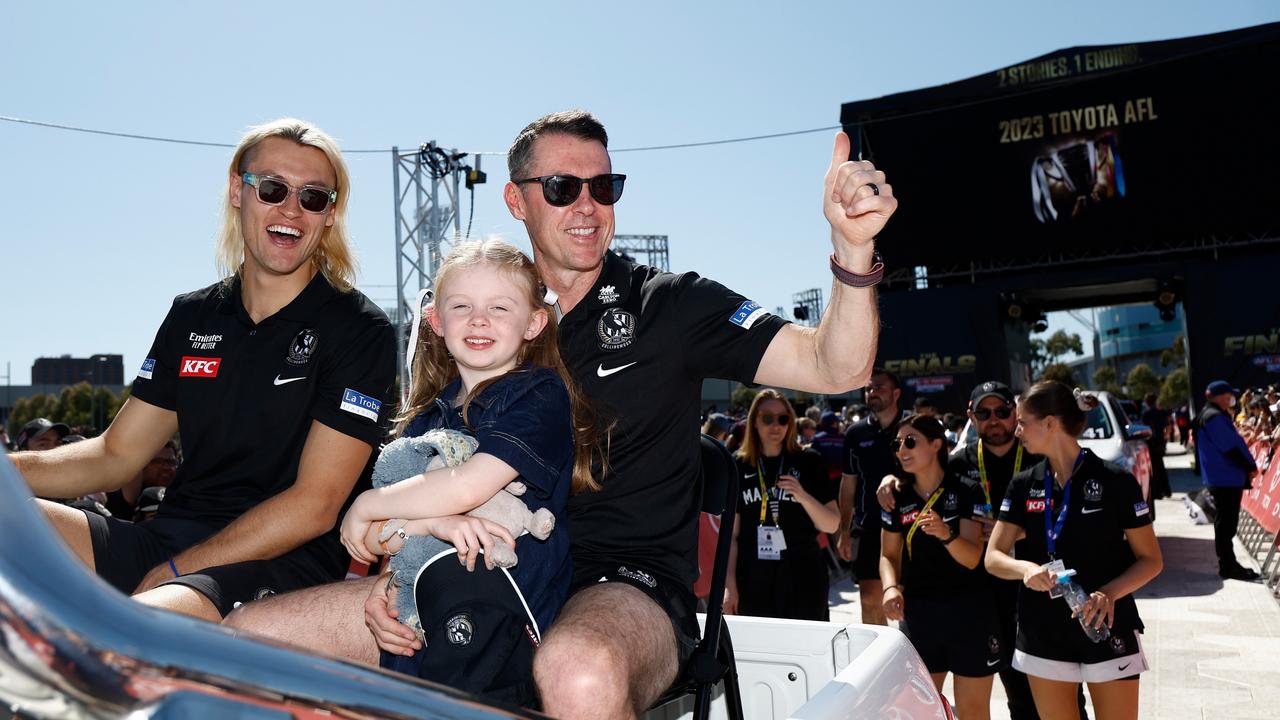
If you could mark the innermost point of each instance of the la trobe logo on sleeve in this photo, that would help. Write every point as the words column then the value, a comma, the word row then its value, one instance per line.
column 358, row 403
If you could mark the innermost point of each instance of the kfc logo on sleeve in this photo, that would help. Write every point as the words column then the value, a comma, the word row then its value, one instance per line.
column 199, row 367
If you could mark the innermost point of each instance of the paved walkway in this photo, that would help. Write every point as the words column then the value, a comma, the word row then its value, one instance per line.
column 1213, row 644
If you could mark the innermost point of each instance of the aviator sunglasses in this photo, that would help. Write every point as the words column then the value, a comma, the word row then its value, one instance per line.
column 984, row 414
column 909, row 442
column 274, row 191
column 563, row 190
column 769, row 418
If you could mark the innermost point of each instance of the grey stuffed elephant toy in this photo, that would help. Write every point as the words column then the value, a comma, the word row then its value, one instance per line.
column 409, row 456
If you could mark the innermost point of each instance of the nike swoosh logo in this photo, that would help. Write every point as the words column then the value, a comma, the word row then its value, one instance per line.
column 1086, row 511
column 1122, row 667
column 949, row 519
column 748, row 477
column 285, row 381
column 993, row 663
column 601, row 372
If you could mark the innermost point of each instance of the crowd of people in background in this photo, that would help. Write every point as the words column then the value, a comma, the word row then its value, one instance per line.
column 926, row 520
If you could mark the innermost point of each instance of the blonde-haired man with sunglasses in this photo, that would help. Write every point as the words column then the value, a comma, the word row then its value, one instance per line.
column 277, row 377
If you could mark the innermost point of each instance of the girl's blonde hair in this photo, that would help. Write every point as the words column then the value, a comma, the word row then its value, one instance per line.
column 752, row 448
column 333, row 257
column 433, row 367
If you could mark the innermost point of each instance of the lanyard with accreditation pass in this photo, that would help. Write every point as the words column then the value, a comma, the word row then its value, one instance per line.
column 982, row 473
column 769, row 539
column 915, row 524
column 1053, row 531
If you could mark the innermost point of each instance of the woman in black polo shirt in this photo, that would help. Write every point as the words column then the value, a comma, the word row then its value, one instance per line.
column 930, row 549
column 785, row 501
column 1090, row 516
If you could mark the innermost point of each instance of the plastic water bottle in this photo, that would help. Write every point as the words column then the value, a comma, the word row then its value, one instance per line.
column 1076, row 598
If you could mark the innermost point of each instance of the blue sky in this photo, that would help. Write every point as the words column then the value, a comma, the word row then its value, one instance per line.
column 100, row 233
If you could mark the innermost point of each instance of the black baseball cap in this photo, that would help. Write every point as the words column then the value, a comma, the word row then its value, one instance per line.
column 479, row 632
column 992, row 388
column 38, row 427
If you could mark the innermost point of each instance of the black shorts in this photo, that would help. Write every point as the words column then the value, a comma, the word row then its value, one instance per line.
column 866, row 552
column 124, row 552
column 1056, row 647
column 675, row 598
column 958, row 634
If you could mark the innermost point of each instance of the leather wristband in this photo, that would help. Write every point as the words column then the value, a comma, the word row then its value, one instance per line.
column 859, row 280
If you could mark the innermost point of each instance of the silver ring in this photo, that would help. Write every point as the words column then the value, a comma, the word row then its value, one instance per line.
column 874, row 188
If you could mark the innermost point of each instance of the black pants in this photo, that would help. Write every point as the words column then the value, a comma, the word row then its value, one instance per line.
column 1227, row 500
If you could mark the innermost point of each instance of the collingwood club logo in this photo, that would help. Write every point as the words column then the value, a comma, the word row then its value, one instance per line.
column 616, row 329
column 302, row 347
column 459, row 630
column 1093, row 491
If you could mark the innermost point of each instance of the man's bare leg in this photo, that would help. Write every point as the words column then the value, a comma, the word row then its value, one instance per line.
column 327, row 619
column 181, row 599
column 611, row 654
column 73, row 526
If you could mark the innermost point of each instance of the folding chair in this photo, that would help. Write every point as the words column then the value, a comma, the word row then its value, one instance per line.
column 712, row 661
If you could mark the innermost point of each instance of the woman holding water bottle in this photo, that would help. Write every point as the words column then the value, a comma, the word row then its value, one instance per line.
column 1074, row 520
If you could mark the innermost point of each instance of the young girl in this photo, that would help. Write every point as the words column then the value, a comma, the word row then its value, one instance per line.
column 930, row 549
column 1089, row 516
column 489, row 366
column 785, row 501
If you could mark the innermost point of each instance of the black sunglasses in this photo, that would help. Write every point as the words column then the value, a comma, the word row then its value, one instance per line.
column 768, row 419
column 562, row 190
column 984, row 414
column 909, row 442
column 274, row 191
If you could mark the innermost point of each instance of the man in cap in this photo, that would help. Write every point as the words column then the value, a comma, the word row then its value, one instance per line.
column 42, row 434
column 1227, row 468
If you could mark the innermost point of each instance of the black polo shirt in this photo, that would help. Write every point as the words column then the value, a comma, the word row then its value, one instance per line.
column 928, row 570
column 797, row 527
column 246, row 394
column 1000, row 469
column 639, row 345
column 867, row 455
column 1104, row 502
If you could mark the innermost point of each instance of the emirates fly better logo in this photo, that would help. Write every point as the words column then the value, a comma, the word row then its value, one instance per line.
column 199, row 367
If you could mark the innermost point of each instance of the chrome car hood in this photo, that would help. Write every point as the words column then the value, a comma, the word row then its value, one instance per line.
column 73, row 647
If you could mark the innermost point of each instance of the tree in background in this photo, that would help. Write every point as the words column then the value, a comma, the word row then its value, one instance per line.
column 742, row 396
column 1176, row 354
column 1105, row 379
column 1176, row 389
column 1049, row 351
column 1060, row 372
column 1141, row 381
column 76, row 405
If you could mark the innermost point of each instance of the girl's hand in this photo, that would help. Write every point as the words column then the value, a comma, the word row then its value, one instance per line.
column 1100, row 609
column 931, row 524
column 1039, row 578
column 893, row 602
column 355, row 526
column 791, row 484
column 469, row 535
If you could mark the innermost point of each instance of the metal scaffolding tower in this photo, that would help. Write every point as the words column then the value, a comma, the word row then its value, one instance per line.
column 808, row 306
column 427, row 186
column 652, row 247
